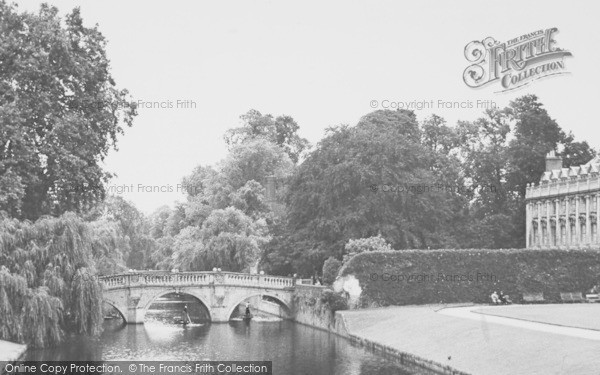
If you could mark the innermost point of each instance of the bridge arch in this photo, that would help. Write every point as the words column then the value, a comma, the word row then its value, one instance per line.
column 145, row 303
column 116, row 307
column 281, row 301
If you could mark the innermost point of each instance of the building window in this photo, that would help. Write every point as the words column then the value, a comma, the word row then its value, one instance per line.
column 563, row 234
column 544, row 235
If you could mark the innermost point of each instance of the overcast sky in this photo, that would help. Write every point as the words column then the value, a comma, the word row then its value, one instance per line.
column 323, row 63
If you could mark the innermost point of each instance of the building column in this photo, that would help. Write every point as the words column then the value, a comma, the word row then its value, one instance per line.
column 540, row 231
column 558, row 234
column 548, row 224
column 527, row 225
column 567, row 223
column 588, row 222
column 577, row 223
column 597, row 223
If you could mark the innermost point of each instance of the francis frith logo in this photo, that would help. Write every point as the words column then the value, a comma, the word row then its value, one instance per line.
column 514, row 63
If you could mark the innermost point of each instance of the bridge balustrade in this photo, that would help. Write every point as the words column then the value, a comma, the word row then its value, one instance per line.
column 153, row 278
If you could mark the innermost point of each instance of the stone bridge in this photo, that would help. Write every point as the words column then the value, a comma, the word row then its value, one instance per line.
column 220, row 292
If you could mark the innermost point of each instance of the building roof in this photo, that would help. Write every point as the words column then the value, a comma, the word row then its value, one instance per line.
column 593, row 166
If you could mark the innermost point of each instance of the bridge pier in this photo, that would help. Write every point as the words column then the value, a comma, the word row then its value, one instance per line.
column 219, row 314
column 135, row 316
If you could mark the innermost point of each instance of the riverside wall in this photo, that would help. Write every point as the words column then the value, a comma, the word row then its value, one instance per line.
column 309, row 310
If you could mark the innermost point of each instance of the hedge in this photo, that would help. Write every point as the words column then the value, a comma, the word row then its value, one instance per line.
column 409, row 277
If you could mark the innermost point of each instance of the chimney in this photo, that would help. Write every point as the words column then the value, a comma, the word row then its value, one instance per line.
column 553, row 162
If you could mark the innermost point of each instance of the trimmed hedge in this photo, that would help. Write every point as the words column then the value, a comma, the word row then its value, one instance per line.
column 409, row 277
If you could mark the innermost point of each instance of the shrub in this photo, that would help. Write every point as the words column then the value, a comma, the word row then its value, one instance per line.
column 331, row 267
column 362, row 245
column 333, row 301
column 450, row 276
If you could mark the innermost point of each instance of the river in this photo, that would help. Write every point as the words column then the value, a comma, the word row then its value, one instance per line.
column 294, row 349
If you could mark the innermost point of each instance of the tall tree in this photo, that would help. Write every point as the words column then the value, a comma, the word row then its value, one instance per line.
column 137, row 243
column 228, row 239
column 503, row 152
column 282, row 131
column 60, row 112
column 339, row 191
column 535, row 134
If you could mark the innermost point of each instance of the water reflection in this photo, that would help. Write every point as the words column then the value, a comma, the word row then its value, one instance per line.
column 293, row 348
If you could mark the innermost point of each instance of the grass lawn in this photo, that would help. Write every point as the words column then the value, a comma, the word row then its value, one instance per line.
column 480, row 347
column 578, row 315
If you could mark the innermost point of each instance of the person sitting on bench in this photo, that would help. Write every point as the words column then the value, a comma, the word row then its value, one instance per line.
column 504, row 298
column 495, row 299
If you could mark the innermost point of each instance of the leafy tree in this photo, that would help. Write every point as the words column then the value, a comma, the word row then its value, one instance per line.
column 177, row 220
column 576, row 153
column 60, row 112
column 255, row 159
column 330, row 199
column 360, row 245
column 535, row 134
column 438, row 136
column 158, row 222
column 163, row 256
column 502, row 153
column 237, row 181
column 134, row 227
column 228, row 239
column 281, row 131
column 331, row 267
column 250, row 199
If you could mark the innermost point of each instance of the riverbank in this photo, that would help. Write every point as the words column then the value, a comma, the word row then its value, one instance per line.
column 10, row 351
column 473, row 344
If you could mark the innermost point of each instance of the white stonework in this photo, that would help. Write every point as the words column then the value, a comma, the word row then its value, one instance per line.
column 562, row 210
column 221, row 292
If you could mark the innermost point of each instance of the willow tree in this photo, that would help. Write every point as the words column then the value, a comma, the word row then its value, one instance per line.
column 47, row 280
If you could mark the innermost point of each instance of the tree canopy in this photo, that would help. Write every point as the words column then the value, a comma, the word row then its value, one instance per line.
column 418, row 185
column 369, row 179
column 281, row 131
column 60, row 112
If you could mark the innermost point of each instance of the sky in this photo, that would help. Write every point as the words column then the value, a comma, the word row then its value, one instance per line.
column 324, row 63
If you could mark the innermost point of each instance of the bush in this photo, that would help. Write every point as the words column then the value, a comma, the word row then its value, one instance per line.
column 362, row 245
column 450, row 276
column 333, row 301
column 331, row 267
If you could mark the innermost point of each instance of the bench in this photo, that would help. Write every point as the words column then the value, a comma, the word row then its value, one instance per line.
column 592, row 297
column 533, row 297
column 572, row 297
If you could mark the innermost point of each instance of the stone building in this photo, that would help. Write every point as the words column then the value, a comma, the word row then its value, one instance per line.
column 562, row 210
